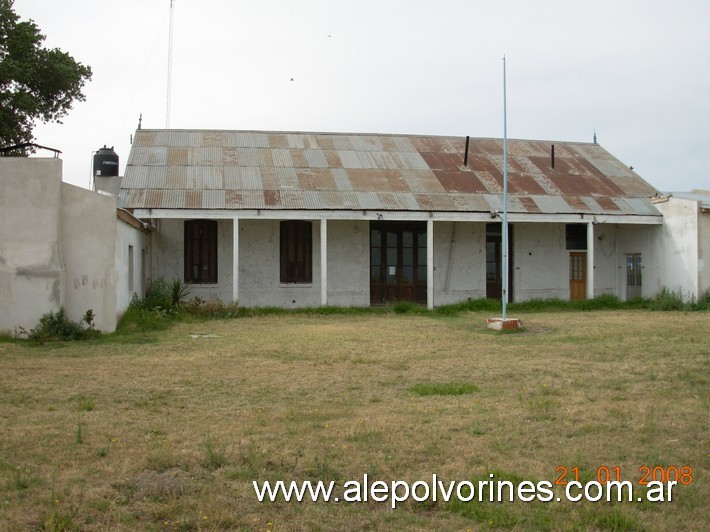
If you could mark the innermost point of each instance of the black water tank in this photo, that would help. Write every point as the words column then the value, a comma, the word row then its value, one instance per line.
column 106, row 162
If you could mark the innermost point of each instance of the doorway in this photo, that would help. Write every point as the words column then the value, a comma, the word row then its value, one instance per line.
column 398, row 265
column 633, row 275
column 494, row 261
column 577, row 275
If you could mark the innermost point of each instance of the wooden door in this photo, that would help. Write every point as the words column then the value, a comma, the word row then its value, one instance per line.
column 578, row 275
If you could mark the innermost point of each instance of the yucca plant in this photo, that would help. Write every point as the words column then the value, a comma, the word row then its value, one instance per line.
column 179, row 291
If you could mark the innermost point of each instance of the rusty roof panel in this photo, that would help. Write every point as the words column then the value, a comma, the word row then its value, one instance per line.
column 193, row 199
column 205, row 156
column 460, row 182
column 576, row 203
column 522, row 183
column 299, row 159
column 154, row 198
column 490, row 182
column 529, row 205
column 214, row 169
column 315, row 179
column 607, row 204
column 443, row 161
column 213, row 139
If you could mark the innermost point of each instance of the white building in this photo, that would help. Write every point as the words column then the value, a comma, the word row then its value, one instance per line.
column 307, row 219
column 310, row 219
column 686, row 241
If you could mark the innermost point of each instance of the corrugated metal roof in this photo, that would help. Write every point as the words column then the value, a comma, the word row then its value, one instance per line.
column 207, row 169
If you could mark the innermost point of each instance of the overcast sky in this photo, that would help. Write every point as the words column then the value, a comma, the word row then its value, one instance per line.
column 636, row 71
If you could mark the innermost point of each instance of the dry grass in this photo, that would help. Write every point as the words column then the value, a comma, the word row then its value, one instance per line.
column 166, row 431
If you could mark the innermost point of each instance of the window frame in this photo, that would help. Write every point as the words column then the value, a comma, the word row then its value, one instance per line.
column 296, row 252
column 202, row 234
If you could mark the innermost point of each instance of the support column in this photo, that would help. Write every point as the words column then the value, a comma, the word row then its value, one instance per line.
column 590, row 260
column 235, row 259
column 323, row 262
column 430, row 264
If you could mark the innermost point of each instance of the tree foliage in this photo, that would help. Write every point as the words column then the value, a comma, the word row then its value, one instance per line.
column 36, row 83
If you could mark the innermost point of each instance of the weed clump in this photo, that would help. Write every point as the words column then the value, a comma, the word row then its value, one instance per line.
column 668, row 299
column 57, row 327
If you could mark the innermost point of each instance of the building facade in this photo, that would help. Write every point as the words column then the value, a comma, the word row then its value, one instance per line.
column 309, row 219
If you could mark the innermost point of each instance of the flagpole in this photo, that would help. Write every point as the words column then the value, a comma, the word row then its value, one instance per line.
column 505, row 196
column 170, row 67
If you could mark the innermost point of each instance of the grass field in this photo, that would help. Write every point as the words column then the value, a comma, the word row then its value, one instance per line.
column 166, row 430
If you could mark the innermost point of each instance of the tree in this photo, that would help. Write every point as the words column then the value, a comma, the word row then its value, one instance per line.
column 36, row 83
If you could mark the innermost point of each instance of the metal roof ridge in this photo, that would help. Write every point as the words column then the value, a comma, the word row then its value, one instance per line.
column 369, row 134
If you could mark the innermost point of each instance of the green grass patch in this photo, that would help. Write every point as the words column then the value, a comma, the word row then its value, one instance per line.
column 449, row 388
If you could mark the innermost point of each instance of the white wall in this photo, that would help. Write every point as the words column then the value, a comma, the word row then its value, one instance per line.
column 259, row 270
column 459, row 262
column 168, row 258
column 704, row 253
column 540, row 262
column 129, row 236
column 680, row 241
column 57, row 246
column 348, row 263
column 88, row 244
column 31, row 282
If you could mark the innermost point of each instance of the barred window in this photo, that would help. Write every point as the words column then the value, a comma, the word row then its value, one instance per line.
column 296, row 252
column 200, row 251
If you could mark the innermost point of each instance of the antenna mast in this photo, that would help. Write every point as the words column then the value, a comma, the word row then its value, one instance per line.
column 170, row 67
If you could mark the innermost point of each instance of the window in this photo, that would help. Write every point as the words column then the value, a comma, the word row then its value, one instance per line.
column 576, row 236
column 200, row 251
column 130, row 269
column 296, row 252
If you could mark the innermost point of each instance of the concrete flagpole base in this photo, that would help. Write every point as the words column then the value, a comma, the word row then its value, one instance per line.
column 508, row 324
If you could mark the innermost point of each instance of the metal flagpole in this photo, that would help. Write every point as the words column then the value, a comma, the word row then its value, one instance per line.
column 505, row 197
column 170, row 68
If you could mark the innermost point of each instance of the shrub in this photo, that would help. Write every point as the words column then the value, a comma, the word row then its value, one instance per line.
column 158, row 296
column 55, row 327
